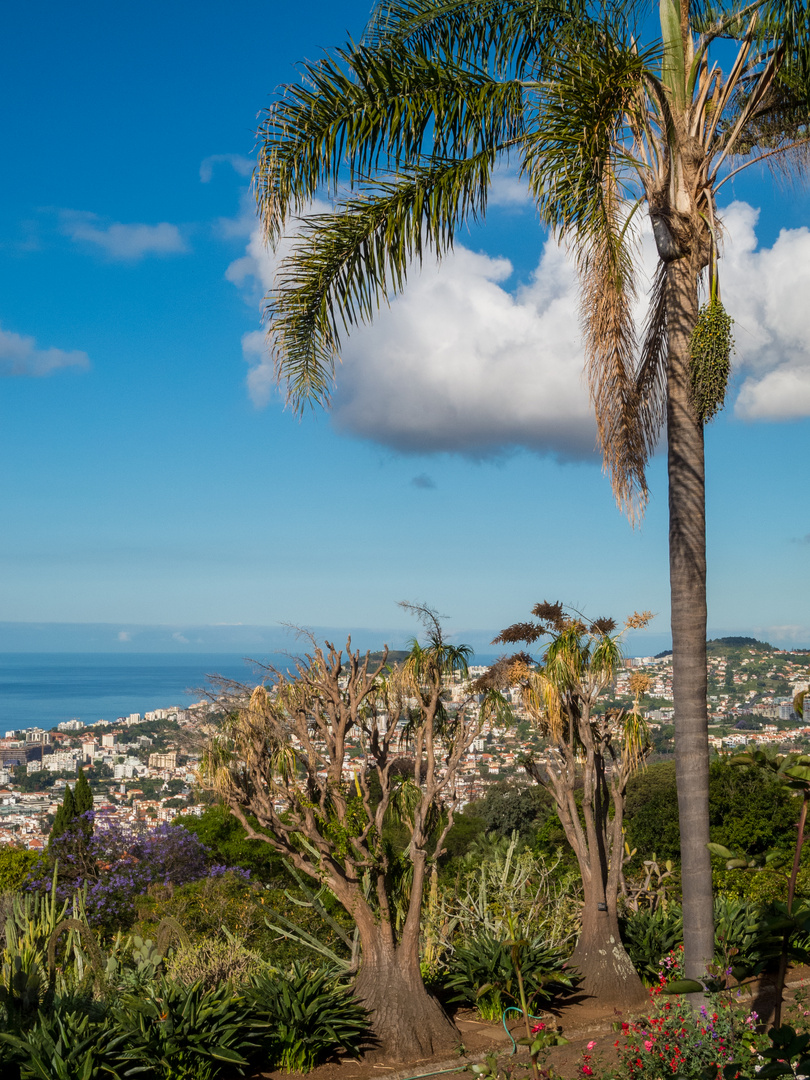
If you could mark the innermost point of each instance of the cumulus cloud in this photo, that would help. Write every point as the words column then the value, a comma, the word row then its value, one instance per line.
column 458, row 362
column 766, row 290
column 238, row 162
column 19, row 355
column 467, row 360
column 125, row 242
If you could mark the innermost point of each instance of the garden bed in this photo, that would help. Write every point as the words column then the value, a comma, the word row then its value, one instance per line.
column 587, row 1025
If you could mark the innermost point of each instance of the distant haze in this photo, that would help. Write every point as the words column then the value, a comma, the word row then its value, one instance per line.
column 259, row 641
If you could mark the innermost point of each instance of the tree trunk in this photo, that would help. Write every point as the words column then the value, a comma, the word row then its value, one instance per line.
column 607, row 971
column 687, row 575
column 407, row 1021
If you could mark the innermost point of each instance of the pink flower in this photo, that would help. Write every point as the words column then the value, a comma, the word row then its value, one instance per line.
column 649, row 1044
column 591, row 1044
column 586, row 1070
column 538, row 1027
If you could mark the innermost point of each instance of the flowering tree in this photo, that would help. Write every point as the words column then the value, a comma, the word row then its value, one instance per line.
column 281, row 758
column 118, row 864
column 595, row 754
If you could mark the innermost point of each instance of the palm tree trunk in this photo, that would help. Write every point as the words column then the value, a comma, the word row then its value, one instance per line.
column 687, row 574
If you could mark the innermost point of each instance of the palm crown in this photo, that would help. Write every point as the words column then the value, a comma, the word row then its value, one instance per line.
column 405, row 129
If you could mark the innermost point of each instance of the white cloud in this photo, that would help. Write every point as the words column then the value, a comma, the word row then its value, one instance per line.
column 766, row 291
column 119, row 241
column 467, row 361
column 238, row 162
column 458, row 363
column 507, row 189
column 20, row 355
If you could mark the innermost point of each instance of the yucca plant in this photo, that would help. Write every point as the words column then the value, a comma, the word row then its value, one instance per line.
column 308, row 1015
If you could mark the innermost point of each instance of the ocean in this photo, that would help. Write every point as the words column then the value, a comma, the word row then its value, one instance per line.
column 43, row 689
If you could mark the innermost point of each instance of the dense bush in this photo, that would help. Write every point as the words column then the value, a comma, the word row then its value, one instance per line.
column 749, row 810
column 184, row 1033
column 650, row 934
column 212, row 962
column 748, row 937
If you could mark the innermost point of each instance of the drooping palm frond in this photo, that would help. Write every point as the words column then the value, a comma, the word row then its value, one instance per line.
column 650, row 392
column 360, row 113
column 347, row 264
column 582, row 167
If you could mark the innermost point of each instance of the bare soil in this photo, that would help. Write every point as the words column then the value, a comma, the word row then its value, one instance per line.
column 583, row 1021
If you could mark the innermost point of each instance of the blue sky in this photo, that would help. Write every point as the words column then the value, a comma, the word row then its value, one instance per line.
column 151, row 477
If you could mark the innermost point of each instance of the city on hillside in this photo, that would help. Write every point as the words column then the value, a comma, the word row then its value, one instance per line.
column 143, row 768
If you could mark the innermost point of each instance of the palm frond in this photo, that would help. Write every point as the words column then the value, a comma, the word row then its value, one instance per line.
column 359, row 113
column 512, row 35
column 582, row 169
column 347, row 264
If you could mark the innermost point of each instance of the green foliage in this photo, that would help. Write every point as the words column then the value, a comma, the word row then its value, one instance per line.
column 64, row 816
column 73, row 1041
column 15, row 866
column 212, row 962
column 648, row 935
column 229, row 845
column 650, row 813
column 498, row 885
column 748, row 937
column 309, row 1016
column 748, row 808
column 467, row 828
column 184, row 1033
column 484, row 972
column 243, row 909
column 787, row 1055
column 510, row 806
column 82, row 795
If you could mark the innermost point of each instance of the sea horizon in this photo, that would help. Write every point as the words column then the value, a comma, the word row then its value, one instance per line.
column 48, row 688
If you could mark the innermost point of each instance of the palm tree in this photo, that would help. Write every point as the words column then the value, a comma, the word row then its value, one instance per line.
column 403, row 132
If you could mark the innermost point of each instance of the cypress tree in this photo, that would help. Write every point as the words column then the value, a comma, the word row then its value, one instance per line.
column 64, row 817
column 83, row 801
column 83, row 794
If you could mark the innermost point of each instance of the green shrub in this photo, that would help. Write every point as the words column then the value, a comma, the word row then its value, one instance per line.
column 15, row 866
column 483, row 973
column 212, row 962
column 308, row 1016
column 748, row 937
